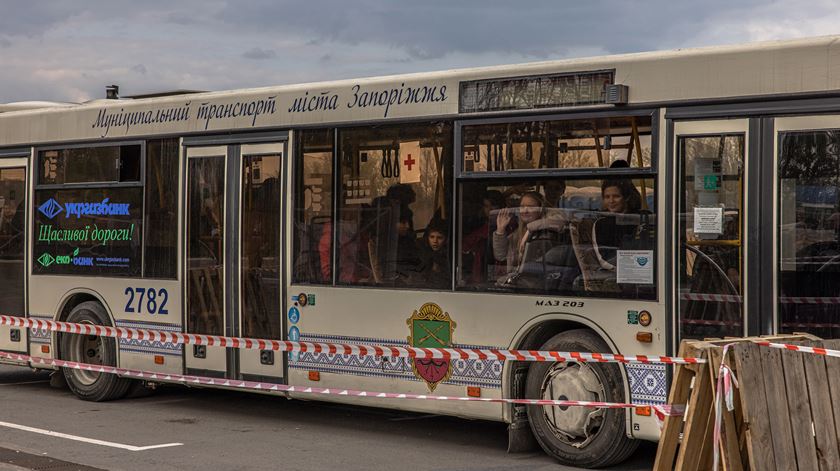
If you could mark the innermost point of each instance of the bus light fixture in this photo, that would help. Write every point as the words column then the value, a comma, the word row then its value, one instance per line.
column 45, row 349
column 473, row 391
column 644, row 337
column 643, row 411
column 159, row 359
column 314, row 376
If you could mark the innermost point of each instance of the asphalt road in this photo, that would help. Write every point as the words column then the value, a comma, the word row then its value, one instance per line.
column 231, row 430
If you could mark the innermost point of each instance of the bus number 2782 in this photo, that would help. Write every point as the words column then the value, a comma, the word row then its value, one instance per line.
column 149, row 300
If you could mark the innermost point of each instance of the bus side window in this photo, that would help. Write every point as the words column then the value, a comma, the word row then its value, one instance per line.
column 394, row 183
column 313, row 223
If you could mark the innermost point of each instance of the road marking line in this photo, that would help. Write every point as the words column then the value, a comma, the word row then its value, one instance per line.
column 86, row 440
column 25, row 382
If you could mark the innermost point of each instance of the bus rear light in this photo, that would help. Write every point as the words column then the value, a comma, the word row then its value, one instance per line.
column 644, row 337
column 643, row 411
column 314, row 376
column 473, row 391
column 45, row 349
column 158, row 359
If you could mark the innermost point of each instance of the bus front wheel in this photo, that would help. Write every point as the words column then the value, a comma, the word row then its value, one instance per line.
column 579, row 436
column 95, row 350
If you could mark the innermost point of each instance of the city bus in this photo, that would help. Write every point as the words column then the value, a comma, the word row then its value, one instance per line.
column 610, row 204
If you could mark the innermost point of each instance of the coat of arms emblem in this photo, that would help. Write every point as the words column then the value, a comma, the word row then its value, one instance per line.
column 430, row 327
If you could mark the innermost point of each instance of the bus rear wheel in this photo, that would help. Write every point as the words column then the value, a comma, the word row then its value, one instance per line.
column 579, row 436
column 91, row 349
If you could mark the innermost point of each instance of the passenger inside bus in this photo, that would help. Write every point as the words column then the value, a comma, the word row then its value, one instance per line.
column 512, row 228
column 476, row 253
column 597, row 241
column 434, row 256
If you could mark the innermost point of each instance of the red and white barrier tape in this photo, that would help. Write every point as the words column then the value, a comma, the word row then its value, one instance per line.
column 732, row 298
column 340, row 348
column 720, row 298
column 809, row 300
column 661, row 410
column 801, row 348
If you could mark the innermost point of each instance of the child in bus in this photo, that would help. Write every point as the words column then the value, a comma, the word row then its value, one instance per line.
column 434, row 257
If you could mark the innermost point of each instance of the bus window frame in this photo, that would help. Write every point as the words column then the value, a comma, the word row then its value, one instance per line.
column 141, row 183
column 653, row 172
column 36, row 173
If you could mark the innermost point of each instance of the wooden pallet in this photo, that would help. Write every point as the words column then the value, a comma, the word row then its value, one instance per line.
column 782, row 396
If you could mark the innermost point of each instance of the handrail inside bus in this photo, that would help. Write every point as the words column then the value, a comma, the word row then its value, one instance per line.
column 717, row 267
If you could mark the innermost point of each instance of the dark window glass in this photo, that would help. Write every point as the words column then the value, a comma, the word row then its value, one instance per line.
column 557, row 144
column 161, row 219
column 710, row 252
column 313, row 207
column 394, row 227
column 261, row 267
column 205, row 244
column 809, row 232
column 109, row 164
column 12, row 225
column 554, row 236
column 88, row 231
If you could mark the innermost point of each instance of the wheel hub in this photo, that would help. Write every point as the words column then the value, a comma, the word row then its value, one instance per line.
column 576, row 382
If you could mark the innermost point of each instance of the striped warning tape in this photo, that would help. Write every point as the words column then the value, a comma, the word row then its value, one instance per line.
column 720, row 298
column 661, row 410
column 732, row 298
column 801, row 348
column 341, row 348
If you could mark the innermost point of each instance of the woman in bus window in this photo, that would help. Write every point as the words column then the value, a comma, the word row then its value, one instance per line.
column 617, row 197
column 508, row 245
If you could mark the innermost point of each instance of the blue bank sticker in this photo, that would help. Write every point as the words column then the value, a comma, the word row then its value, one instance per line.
column 294, row 315
column 294, row 334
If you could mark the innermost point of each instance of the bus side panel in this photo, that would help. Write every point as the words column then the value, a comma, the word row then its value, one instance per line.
column 128, row 304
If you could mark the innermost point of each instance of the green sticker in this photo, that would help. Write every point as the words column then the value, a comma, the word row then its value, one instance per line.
column 711, row 182
column 632, row 317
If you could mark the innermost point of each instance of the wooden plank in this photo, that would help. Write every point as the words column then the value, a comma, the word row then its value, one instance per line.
column 754, row 407
column 798, row 409
column 825, row 436
column 729, row 450
column 781, row 431
column 698, row 417
column 669, row 439
column 832, row 368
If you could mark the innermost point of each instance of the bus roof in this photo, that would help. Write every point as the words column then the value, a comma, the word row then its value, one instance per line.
column 775, row 68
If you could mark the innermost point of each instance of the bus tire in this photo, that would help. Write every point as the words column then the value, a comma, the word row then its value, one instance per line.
column 89, row 385
column 576, row 436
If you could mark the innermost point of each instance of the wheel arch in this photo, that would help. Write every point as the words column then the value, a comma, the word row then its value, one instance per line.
column 73, row 298
column 531, row 336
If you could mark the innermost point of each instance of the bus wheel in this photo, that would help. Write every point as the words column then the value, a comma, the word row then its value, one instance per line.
column 91, row 349
column 579, row 436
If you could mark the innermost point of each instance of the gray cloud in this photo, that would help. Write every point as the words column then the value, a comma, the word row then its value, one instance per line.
column 71, row 50
column 259, row 54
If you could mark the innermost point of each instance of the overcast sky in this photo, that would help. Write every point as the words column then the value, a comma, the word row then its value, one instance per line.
column 70, row 50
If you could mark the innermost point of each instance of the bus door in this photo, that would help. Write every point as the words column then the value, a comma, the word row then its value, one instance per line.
column 13, row 240
column 710, row 247
column 806, row 229
column 233, row 281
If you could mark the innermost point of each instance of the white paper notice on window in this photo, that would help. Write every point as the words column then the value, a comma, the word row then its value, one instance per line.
column 708, row 220
column 634, row 267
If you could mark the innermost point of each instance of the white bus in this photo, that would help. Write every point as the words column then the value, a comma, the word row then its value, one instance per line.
column 612, row 204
